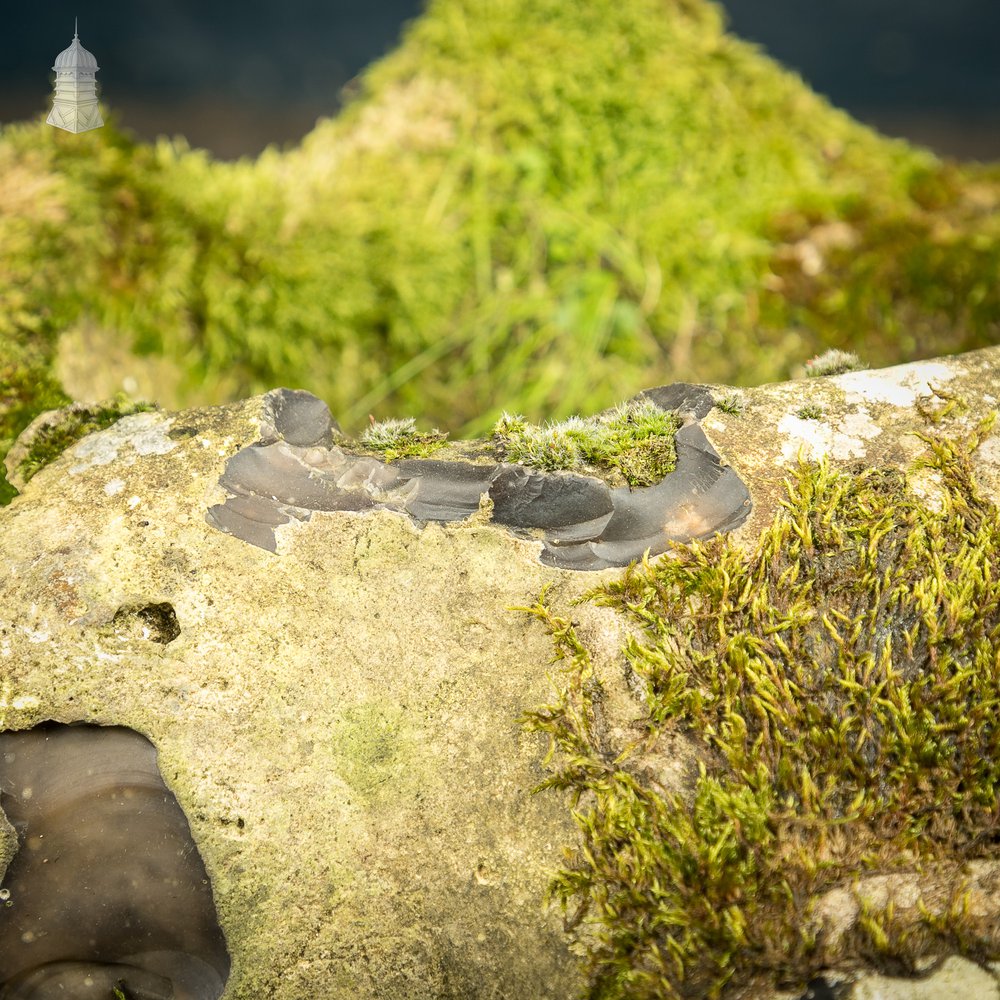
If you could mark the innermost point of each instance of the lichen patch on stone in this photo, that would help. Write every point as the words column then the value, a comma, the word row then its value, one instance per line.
column 816, row 438
column 143, row 433
column 900, row 386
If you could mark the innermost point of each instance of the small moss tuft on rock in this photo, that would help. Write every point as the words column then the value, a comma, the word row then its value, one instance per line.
column 400, row 438
column 731, row 404
column 838, row 682
column 811, row 411
column 834, row 362
column 635, row 442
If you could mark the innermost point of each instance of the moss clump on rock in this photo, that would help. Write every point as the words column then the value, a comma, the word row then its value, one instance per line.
column 811, row 411
column 52, row 437
column 634, row 442
column 732, row 403
column 838, row 681
column 26, row 389
column 834, row 362
column 400, row 438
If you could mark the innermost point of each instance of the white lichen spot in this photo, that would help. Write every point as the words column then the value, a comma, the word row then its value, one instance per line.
column 96, row 449
column 34, row 636
column 926, row 484
column 114, row 486
column 816, row 438
column 854, row 426
column 143, row 433
column 810, row 438
column 989, row 451
column 899, row 386
column 134, row 502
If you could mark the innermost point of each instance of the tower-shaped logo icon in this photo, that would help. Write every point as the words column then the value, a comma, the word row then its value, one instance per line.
column 74, row 106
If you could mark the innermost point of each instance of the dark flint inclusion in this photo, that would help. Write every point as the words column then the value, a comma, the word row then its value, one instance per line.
column 583, row 524
column 682, row 398
column 526, row 498
column 107, row 888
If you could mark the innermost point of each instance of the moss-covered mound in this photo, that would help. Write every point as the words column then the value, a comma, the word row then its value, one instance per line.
column 838, row 681
column 537, row 204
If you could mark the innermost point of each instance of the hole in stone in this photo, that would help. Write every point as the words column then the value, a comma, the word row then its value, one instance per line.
column 157, row 622
column 107, row 890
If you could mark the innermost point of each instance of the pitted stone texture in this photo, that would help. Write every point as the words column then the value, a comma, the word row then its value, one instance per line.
column 338, row 725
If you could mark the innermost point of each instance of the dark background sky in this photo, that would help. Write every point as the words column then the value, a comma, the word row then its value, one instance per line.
column 925, row 69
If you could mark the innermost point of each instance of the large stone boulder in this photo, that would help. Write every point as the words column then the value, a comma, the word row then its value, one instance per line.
column 338, row 719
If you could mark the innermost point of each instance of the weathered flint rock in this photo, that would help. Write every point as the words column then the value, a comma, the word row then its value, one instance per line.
column 337, row 718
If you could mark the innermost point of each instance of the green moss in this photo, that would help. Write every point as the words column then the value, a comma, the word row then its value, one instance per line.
column 895, row 278
column 732, row 404
column 838, row 682
column 26, row 389
column 399, row 438
column 834, row 362
column 634, row 442
column 811, row 411
column 74, row 423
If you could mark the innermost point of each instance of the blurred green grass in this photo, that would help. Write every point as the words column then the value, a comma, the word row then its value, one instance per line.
column 529, row 205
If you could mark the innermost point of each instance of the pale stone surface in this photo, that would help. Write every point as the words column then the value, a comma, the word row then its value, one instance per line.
column 338, row 720
column 764, row 441
column 955, row 979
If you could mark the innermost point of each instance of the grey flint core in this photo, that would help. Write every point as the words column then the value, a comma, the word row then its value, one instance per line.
column 583, row 524
column 107, row 888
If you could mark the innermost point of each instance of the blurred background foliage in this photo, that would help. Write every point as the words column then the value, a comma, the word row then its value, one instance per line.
column 529, row 205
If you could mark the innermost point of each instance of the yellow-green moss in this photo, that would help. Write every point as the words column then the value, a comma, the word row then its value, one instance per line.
column 399, row 438
column 840, row 680
column 811, row 411
column 731, row 403
column 634, row 442
column 26, row 389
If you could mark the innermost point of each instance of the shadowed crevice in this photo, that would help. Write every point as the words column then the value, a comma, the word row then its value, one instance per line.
column 156, row 622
